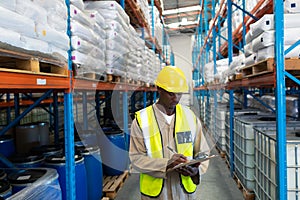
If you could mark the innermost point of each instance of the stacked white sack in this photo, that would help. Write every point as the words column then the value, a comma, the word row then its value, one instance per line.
column 149, row 64
column 117, row 35
column 237, row 63
column 135, row 56
column 221, row 66
column 143, row 4
column 262, row 36
column 156, row 24
column 87, row 52
column 28, row 25
column 292, row 6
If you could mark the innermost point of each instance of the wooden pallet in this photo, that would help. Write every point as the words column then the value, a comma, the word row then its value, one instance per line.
column 247, row 194
column 112, row 184
column 115, row 79
column 14, row 61
column 262, row 67
column 292, row 65
column 94, row 76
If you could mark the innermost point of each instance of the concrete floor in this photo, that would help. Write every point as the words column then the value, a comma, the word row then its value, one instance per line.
column 216, row 184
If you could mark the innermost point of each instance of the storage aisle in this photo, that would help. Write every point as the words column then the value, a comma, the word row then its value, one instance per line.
column 216, row 184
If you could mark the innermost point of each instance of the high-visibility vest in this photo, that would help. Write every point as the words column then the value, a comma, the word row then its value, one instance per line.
column 185, row 130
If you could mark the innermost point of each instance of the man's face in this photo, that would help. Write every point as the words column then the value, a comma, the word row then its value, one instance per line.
column 168, row 100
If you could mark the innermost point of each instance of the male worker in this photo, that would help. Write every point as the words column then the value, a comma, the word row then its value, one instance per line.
column 164, row 135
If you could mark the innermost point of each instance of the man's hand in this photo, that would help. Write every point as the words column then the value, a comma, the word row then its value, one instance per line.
column 175, row 160
column 192, row 171
column 188, row 170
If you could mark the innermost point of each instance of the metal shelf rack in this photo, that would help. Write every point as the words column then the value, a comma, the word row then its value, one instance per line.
column 67, row 84
column 274, row 79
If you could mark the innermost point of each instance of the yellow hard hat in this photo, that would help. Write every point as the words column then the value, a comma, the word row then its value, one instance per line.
column 172, row 79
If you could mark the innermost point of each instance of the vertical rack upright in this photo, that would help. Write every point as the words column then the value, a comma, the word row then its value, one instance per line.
column 280, row 87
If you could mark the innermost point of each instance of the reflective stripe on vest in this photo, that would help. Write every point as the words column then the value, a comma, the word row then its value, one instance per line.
column 185, row 129
column 150, row 185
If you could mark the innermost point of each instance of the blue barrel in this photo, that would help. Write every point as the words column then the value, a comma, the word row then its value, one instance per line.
column 27, row 161
column 114, row 155
column 88, row 137
column 35, row 183
column 5, row 189
column 7, row 146
column 58, row 162
column 24, row 177
column 94, row 172
column 3, row 174
column 47, row 150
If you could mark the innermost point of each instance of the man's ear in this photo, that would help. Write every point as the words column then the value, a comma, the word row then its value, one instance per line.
column 159, row 89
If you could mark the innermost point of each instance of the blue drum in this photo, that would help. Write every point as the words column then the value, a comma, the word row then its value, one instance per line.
column 47, row 150
column 27, row 161
column 94, row 173
column 35, row 183
column 7, row 146
column 88, row 137
column 114, row 157
column 58, row 162
column 5, row 189
column 3, row 174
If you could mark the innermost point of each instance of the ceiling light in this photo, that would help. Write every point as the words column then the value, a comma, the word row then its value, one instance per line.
column 180, row 10
column 177, row 24
column 184, row 20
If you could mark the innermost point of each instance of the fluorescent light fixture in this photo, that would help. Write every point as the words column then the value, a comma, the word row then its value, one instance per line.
column 180, row 10
column 182, row 23
column 184, row 20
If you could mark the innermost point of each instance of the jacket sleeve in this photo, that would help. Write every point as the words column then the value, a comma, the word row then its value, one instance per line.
column 201, row 145
column 138, row 155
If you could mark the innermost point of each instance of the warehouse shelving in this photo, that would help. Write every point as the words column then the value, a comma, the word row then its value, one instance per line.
column 66, row 84
column 272, row 79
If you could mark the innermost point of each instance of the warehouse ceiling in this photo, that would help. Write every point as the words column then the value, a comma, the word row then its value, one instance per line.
column 181, row 16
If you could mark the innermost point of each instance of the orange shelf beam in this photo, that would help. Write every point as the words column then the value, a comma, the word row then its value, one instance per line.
column 28, row 82
column 28, row 102
column 93, row 85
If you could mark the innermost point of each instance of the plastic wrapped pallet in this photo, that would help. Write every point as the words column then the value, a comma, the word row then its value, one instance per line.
column 249, row 37
column 266, row 23
column 8, row 4
column 267, row 38
column 35, row 45
column 97, row 18
column 87, row 61
column 292, row 6
column 82, row 45
column 84, row 32
column 45, row 187
column 268, row 52
column 112, row 10
column 31, row 10
column 80, row 16
column 250, row 60
column 248, row 49
column 78, row 3
column 13, row 21
column 10, row 37
column 50, row 35
column 59, row 53
column 56, row 13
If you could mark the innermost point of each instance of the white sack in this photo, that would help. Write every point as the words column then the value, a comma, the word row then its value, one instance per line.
column 13, row 21
column 52, row 36
column 31, row 10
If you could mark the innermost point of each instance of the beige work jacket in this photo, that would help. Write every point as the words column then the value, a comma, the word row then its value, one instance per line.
column 141, row 163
